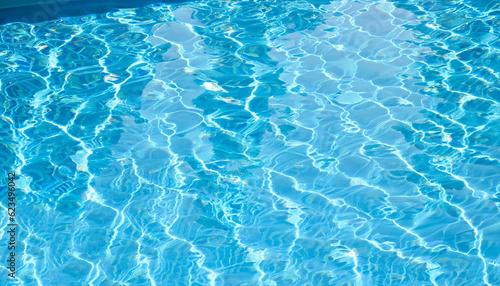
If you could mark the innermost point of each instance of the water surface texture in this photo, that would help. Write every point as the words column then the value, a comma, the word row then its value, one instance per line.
column 256, row 143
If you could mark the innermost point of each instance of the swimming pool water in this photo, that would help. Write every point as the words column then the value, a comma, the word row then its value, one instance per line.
column 256, row 143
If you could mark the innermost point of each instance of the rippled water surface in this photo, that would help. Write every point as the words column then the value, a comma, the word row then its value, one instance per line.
column 256, row 143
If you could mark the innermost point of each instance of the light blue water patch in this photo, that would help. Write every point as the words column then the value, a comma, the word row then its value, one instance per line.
column 256, row 143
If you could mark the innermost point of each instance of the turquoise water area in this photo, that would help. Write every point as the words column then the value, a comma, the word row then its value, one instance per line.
column 256, row 143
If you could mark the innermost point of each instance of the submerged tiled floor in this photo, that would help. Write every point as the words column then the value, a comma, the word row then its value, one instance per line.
column 256, row 143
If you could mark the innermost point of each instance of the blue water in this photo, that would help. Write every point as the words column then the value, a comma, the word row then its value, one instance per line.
column 255, row 143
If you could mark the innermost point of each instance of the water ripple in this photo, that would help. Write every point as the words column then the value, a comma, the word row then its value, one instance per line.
column 257, row 143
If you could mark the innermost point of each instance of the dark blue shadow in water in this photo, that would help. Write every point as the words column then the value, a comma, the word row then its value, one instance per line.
column 35, row 11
